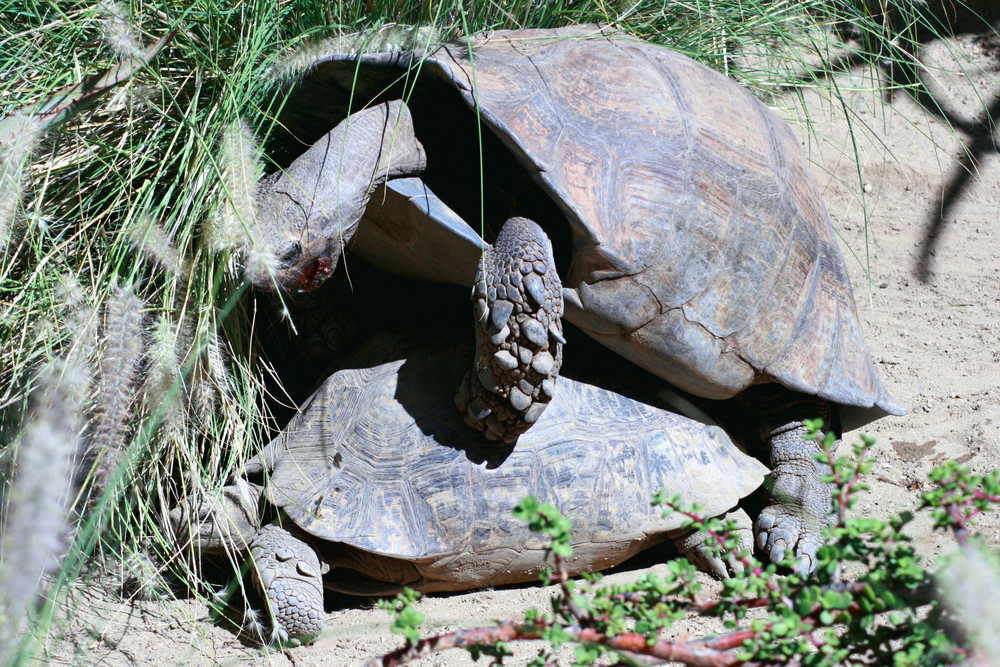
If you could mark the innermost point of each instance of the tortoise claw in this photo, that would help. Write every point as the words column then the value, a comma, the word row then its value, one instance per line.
column 700, row 548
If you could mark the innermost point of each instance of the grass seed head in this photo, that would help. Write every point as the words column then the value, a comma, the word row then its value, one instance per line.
column 38, row 499
column 118, row 364
column 230, row 227
column 122, row 37
column 163, row 382
column 155, row 245
column 19, row 135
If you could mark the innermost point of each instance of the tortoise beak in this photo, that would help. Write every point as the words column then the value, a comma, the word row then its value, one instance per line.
column 311, row 276
column 301, row 265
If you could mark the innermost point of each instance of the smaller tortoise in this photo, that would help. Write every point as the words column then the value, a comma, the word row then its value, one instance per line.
column 379, row 484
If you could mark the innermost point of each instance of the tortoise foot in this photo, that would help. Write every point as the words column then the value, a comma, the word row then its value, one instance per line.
column 781, row 531
column 799, row 505
column 290, row 579
column 518, row 311
column 799, row 510
column 699, row 547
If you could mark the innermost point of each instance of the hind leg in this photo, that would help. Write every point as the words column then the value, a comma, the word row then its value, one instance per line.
column 799, row 505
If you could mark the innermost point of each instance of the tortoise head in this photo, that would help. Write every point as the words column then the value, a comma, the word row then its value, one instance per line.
column 299, row 258
column 219, row 524
column 309, row 212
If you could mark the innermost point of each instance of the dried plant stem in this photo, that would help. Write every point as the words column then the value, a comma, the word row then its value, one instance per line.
column 694, row 654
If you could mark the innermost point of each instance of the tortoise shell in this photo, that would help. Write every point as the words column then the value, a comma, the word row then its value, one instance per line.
column 380, row 462
column 690, row 234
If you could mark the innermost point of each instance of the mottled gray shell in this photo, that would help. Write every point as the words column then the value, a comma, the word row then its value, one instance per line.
column 379, row 460
column 700, row 247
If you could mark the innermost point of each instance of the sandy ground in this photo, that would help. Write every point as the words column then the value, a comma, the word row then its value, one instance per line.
column 934, row 342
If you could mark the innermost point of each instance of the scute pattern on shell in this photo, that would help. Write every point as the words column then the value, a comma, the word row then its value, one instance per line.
column 381, row 462
column 518, row 319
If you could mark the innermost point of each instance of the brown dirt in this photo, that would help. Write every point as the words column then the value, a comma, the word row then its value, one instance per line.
column 934, row 341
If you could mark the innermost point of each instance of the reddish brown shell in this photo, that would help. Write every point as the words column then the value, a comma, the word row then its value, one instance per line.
column 699, row 246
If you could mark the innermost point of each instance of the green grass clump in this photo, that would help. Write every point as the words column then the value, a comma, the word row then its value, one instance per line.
column 124, row 226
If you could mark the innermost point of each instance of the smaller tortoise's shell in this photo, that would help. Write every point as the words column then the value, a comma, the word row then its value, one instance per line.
column 701, row 249
column 380, row 460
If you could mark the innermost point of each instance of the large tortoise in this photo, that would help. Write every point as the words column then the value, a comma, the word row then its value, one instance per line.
column 379, row 484
column 686, row 228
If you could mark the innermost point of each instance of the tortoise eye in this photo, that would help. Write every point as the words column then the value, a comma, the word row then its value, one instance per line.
column 292, row 254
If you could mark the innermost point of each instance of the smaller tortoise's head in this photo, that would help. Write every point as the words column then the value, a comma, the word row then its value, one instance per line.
column 297, row 262
column 219, row 524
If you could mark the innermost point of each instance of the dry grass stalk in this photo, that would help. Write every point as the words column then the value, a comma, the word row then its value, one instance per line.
column 228, row 407
column 393, row 37
column 117, row 364
column 219, row 368
column 39, row 495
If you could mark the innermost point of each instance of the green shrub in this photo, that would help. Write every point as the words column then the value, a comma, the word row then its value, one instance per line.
column 888, row 611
